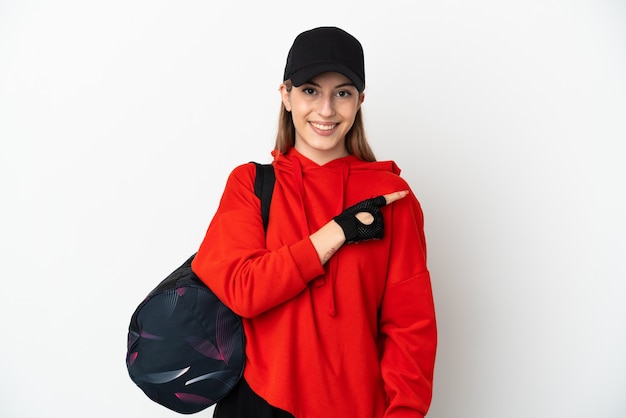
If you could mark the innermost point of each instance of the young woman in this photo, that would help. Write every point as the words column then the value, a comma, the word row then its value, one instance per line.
column 335, row 297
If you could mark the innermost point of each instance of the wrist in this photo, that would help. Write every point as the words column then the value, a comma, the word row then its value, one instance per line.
column 327, row 240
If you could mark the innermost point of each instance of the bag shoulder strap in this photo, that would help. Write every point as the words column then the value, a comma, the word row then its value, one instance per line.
column 263, row 188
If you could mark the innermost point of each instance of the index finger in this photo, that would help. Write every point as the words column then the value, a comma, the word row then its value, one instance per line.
column 392, row 197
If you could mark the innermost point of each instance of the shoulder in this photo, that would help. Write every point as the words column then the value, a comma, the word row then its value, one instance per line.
column 393, row 178
column 243, row 174
column 379, row 174
column 243, row 169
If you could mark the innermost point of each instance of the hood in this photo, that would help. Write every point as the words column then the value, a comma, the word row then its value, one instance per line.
column 285, row 161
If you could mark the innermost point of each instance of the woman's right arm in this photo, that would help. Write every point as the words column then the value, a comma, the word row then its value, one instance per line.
column 233, row 259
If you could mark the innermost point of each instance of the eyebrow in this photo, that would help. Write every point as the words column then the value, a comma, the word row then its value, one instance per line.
column 336, row 87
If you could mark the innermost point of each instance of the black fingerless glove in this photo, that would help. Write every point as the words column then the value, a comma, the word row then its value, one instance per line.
column 355, row 230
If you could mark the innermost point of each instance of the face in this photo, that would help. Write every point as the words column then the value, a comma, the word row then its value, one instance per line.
column 323, row 111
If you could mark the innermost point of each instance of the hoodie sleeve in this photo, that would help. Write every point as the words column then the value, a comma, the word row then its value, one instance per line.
column 407, row 317
column 233, row 260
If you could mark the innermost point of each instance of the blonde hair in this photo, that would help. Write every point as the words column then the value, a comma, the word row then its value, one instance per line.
column 356, row 141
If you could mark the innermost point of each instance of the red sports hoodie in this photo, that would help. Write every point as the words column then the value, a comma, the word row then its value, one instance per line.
column 355, row 337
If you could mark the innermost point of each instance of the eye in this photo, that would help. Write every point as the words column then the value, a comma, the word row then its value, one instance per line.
column 308, row 90
column 344, row 93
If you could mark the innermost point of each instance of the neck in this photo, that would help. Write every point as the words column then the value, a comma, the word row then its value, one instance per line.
column 322, row 157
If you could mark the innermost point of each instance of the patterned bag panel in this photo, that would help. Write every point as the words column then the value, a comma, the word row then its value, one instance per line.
column 179, row 354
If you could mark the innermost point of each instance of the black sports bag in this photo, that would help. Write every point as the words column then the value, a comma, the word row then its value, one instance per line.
column 185, row 347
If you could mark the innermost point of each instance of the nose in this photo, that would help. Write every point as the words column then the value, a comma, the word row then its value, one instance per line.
column 326, row 106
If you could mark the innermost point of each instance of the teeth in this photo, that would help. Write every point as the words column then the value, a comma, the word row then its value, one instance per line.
column 323, row 127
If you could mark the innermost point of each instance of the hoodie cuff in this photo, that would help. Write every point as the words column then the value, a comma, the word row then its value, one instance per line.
column 306, row 260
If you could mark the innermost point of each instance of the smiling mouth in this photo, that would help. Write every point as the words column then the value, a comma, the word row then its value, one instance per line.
column 323, row 127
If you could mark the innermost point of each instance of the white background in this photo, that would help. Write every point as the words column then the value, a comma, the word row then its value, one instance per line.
column 120, row 120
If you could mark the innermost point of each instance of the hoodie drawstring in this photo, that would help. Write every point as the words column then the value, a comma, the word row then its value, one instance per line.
column 333, row 265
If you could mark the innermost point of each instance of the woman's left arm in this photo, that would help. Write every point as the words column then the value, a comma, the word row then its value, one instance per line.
column 407, row 318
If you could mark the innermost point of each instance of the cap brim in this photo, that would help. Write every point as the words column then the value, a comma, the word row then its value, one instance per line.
column 305, row 74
